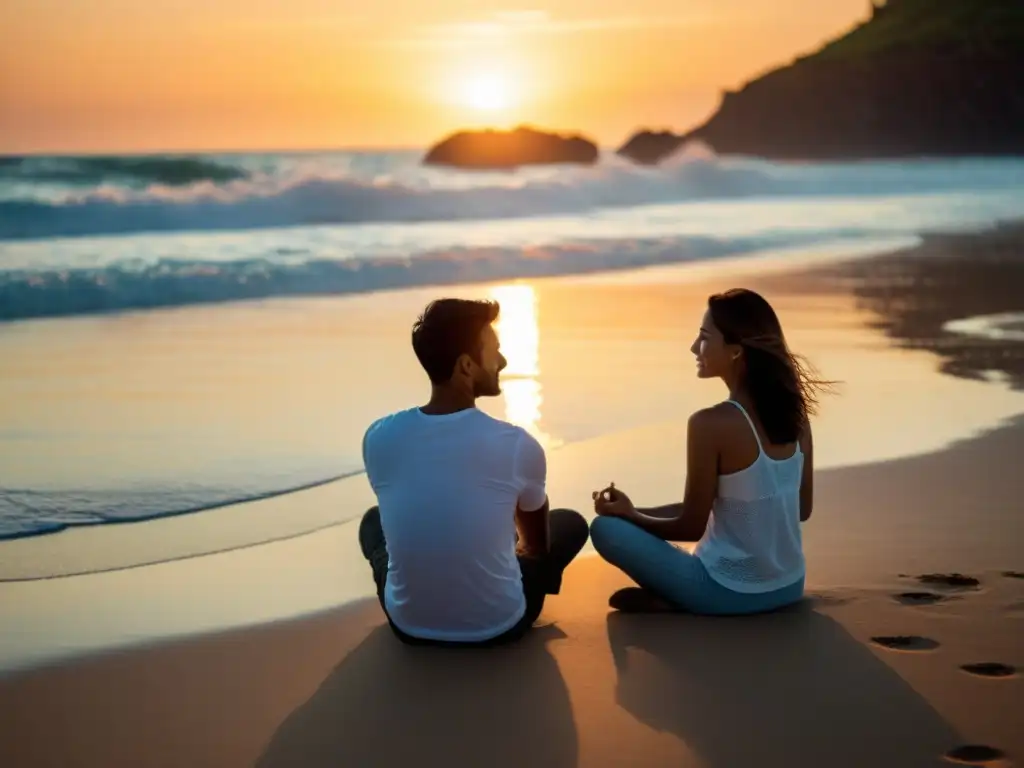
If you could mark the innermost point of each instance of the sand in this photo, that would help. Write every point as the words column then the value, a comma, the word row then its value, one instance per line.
column 275, row 655
column 805, row 686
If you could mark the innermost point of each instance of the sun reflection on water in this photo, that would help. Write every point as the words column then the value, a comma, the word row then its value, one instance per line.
column 519, row 333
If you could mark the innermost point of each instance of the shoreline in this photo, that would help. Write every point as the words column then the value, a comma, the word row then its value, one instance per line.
column 796, row 280
column 316, row 687
column 242, row 590
column 669, row 251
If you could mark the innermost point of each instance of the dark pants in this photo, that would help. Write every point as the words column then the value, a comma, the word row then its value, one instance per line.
column 542, row 575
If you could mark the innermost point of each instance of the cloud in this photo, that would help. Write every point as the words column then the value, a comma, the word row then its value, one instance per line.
column 505, row 25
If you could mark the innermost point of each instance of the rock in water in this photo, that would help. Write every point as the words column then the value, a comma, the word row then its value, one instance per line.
column 502, row 150
column 650, row 147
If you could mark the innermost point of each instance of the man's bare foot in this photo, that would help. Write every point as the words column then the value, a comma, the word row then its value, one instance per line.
column 639, row 600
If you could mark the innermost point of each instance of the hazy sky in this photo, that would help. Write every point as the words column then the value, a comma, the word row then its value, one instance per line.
column 131, row 75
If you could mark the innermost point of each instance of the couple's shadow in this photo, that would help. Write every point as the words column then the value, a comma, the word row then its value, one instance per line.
column 387, row 704
column 788, row 688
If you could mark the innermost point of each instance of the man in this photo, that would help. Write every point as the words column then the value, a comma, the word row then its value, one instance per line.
column 454, row 486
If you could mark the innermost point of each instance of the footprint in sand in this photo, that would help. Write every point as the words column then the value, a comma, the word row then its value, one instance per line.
column 974, row 754
column 905, row 642
column 989, row 669
column 954, row 580
column 919, row 598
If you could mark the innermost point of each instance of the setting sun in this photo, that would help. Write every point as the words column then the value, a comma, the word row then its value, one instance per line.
column 309, row 74
column 487, row 92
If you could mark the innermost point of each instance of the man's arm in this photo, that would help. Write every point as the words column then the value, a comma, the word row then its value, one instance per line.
column 532, row 505
column 534, row 531
column 367, row 463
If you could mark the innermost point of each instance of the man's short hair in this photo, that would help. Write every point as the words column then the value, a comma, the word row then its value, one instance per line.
column 448, row 329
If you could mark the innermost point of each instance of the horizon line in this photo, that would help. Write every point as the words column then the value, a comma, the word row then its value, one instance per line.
column 300, row 150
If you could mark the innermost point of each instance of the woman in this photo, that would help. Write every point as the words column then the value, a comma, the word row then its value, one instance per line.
column 749, row 480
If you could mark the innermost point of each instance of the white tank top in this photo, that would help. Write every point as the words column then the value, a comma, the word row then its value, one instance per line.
column 752, row 543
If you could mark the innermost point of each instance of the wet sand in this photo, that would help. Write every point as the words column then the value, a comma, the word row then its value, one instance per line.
column 915, row 295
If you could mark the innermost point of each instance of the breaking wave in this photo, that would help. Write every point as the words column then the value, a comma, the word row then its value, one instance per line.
column 207, row 195
column 170, row 282
column 138, row 172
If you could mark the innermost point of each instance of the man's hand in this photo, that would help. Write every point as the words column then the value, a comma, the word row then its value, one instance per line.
column 611, row 502
column 534, row 534
column 523, row 551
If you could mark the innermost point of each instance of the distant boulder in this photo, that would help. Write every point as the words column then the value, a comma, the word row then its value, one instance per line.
column 502, row 150
column 650, row 147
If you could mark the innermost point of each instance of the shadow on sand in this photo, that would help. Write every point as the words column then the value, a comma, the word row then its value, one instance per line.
column 788, row 688
column 388, row 704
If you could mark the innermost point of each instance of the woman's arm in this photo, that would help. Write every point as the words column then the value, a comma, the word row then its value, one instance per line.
column 684, row 521
column 807, row 479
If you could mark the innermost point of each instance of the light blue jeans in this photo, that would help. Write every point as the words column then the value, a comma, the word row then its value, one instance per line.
column 677, row 576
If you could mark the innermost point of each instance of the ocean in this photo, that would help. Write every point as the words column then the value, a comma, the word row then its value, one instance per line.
column 87, row 238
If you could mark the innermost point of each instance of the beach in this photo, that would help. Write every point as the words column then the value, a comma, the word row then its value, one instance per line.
column 249, row 635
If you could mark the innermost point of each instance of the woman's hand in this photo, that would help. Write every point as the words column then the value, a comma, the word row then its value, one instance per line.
column 611, row 502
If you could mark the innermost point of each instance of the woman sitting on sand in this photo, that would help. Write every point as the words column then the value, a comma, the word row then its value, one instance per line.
column 749, row 480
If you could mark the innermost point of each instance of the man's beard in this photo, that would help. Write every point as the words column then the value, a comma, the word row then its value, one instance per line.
column 489, row 388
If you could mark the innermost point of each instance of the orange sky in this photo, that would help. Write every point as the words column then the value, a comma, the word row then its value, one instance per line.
column 138, row 75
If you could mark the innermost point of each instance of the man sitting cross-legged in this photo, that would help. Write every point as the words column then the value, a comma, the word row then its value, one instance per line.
column 462, row 544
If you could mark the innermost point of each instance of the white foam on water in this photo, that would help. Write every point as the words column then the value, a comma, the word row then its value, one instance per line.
column 1005, row 326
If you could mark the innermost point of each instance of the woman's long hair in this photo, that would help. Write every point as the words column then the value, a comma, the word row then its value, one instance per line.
column 781, row 384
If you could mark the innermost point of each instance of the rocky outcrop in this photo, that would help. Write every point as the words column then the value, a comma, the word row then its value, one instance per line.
column 650, row 147
column 921, row 78
column 500, row 150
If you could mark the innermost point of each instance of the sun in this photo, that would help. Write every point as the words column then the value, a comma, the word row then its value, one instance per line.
column 487, row 92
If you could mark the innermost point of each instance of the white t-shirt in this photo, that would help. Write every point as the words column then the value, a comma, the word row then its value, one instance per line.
column 447, row 487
